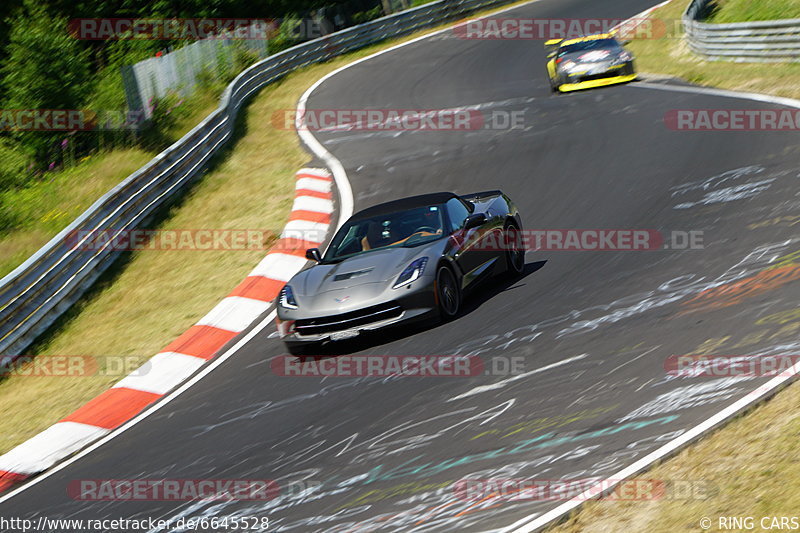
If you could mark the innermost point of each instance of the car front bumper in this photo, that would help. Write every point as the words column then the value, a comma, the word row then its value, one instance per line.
column 597, row 77
column 600, row 82
column 410, row 305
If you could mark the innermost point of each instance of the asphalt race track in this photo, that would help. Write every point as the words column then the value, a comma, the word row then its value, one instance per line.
column 593, row 329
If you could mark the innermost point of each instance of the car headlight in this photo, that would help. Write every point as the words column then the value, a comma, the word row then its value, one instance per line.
column 411, row 273
column 287, row 298
column 624, row 57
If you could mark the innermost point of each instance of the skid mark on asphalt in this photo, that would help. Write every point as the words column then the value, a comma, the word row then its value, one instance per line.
column 501, row 384
column 772, row 277
column 694, row 395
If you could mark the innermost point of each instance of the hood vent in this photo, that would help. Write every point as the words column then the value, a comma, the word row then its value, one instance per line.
column 350, row 275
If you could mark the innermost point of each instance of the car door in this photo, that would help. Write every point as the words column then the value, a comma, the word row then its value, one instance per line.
column 467, row 254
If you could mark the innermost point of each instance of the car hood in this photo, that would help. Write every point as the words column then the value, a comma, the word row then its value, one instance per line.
column 592, row 57
column 380, row 266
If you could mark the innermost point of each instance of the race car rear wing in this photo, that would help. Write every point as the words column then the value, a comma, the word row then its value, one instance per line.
column 482, row 196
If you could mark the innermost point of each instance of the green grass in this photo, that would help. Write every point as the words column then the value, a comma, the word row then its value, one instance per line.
column 749, row 10
column 669, row 55
column 45, row 207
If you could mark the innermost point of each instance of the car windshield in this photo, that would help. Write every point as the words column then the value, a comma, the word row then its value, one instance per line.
column 584, row 46
column 405, row 228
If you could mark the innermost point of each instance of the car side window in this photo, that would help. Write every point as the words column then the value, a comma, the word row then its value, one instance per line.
column 457, row 212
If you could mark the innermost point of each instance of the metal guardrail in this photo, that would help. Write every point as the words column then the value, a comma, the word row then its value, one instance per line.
column 35, row 294
column 763, row 41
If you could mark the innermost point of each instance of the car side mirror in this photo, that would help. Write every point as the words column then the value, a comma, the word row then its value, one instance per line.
column 474, row 221
column 551, row 47
column 313, row 254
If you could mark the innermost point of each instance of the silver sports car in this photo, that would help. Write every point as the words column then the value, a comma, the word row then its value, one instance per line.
column 405, row 260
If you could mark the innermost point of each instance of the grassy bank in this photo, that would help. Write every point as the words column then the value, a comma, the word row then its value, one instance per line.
column 748, row 10
column 45, row 207
column 669, row 55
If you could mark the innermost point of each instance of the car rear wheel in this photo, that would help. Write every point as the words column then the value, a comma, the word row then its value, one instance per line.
column 448, row 293
column 515, row 252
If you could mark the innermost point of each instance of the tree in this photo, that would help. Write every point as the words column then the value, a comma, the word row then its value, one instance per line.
column 45, row 68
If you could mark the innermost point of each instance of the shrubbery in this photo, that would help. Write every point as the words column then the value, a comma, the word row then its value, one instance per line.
column 43, row 66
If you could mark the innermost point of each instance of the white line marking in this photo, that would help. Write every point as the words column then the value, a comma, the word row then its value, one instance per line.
column 305, row 229
column 148, row 412
column 629, row 361
column 501, row 384
column 339, row 175
column 779, row 100
column 526, row 525
column 45, row 449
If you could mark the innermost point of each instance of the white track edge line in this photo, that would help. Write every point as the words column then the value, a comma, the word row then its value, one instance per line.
column 147, row 412
column 768, row 98
column 538, row 521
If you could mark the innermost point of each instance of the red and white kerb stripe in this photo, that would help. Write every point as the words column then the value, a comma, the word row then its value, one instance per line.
column 310, row 220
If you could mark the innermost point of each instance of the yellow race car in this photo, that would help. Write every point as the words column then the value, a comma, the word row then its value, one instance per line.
column 587, row 62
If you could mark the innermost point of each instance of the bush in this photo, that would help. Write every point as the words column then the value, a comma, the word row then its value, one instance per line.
column 365, row 16
column 13, row 166
column 287, row 35
column 243, row 57
column 167, row 111
column 43, row 69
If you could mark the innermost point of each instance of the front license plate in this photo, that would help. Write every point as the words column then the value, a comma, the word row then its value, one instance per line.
column 342, row 335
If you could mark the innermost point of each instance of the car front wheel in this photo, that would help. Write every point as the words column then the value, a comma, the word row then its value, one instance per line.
column 448, row 293
column 515, row 251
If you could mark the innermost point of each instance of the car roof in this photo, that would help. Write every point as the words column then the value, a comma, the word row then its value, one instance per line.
column 595, row 37
column 404, row 204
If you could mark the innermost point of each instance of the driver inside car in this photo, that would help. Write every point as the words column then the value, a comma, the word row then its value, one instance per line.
column 384, row 234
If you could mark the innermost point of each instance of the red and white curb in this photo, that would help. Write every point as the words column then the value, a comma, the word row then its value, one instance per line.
column 307, row 227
